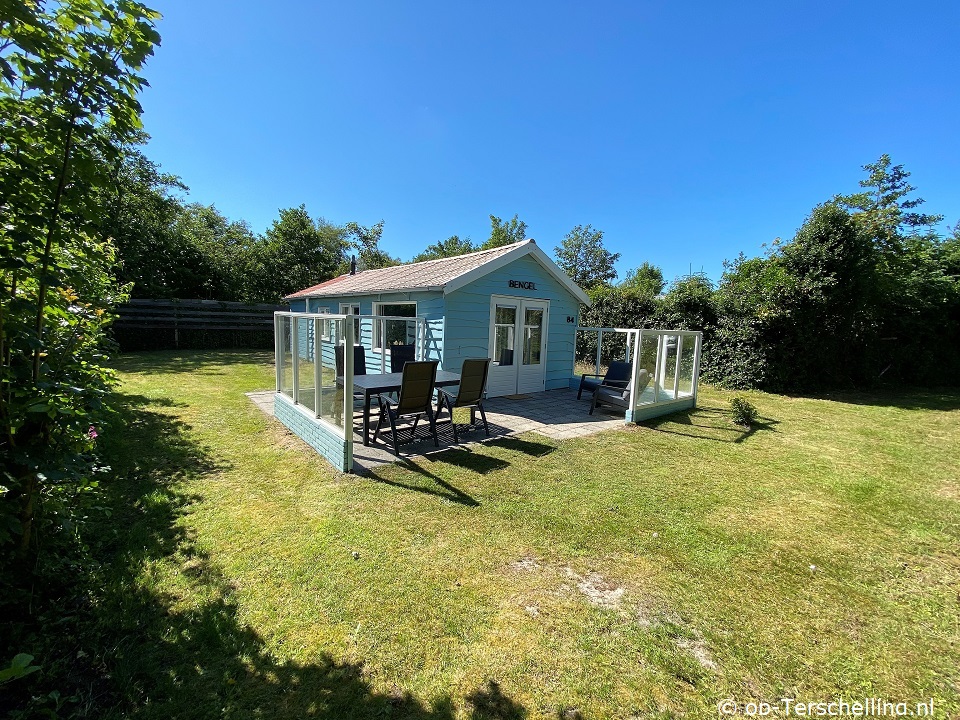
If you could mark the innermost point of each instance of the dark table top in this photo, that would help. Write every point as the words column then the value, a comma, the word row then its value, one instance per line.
column 384, row 382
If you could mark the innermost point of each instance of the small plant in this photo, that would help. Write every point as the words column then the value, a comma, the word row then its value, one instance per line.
column 744, row 413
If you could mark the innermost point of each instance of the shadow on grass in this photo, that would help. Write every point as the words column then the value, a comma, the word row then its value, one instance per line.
column 437, row 486
column 132, row 649
column 533, row 449
column 942, row 399
column 709, row 424
column 185, row 361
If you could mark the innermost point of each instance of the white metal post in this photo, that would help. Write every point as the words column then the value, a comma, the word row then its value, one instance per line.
column 658, row 370
column 348, row 341
column 696, row 366
column 676, row 373
column 383, row 346
column 635, row 381
column 317, row 368
column 295, row 363
column 599, row 345
column 278, row 347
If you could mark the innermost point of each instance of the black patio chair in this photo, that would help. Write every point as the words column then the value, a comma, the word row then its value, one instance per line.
column 473, row 384
column 616, row 396
column 400, row 355
column 617, row 376
column 415, row 399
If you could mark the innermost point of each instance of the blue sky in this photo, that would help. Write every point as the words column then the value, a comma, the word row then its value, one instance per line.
column 686, row 132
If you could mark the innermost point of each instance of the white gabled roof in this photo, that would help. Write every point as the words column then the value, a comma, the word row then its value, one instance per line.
column 445, row 274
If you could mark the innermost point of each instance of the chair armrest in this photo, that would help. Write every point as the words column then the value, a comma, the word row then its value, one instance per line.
column 384, row 399
column 616, row 383
column 586, row 375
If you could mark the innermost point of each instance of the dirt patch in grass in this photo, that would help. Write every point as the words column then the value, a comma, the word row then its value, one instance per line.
column 598, row 590
column 525, row 564
column 697, row 649
column 950, row 491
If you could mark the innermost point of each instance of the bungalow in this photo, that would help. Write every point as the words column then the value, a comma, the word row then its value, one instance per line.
column 512, row 304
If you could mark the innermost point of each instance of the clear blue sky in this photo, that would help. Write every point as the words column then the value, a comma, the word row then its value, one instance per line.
column 686, row 132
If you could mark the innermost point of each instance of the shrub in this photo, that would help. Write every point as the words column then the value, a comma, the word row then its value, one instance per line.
column 744, row 413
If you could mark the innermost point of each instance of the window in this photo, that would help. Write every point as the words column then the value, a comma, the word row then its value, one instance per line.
column 352, row 309
column 397, row 331
column 324, row 325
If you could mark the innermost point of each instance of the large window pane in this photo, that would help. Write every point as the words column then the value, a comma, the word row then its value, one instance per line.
column 504, row 328
column 532, row 336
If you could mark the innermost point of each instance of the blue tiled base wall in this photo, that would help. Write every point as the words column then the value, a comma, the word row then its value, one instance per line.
column 312, row 432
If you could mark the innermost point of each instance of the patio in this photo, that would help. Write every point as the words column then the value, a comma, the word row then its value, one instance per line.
column 557, row 414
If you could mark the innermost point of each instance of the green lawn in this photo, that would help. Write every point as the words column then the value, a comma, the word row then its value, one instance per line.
column 649, row 572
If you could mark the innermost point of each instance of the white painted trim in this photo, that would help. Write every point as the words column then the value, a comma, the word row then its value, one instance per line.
column 521, row 250
column 378, row 349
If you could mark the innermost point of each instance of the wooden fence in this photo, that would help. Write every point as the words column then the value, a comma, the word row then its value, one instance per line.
column 199, row 324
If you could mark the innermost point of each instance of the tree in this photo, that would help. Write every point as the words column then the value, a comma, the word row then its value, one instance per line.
column 583, row 257
column 225, row 247
column 366, row 241
column 296, row 252
column 451, row 247
column 505, row 233
column 646, row 279
column 69, row 77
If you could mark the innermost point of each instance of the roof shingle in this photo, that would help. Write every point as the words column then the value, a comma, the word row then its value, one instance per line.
column 427, row 275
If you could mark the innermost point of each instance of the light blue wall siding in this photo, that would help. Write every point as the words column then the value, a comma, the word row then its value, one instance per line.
column 458, row 325
column 468, row 318
column 430, row 306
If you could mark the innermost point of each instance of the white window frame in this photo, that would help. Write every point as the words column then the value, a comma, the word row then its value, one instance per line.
column 352, row 309
column 325, row 324
column 376, row 340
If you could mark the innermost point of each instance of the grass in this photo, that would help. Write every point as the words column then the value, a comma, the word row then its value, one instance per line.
column 648, row 572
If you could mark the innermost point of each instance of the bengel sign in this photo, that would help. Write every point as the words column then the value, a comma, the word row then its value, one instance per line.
column 522, row 285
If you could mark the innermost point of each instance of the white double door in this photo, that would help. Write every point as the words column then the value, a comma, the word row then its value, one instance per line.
column 518, row 345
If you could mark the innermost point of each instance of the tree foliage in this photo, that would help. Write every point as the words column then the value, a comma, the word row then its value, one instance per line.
column 582, row 256
column 646, row 279
column 451, row 247
column 69, row 77
column 505, row 233
column 866, row 291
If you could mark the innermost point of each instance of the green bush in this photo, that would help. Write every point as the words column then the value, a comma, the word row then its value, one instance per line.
column 744, row 413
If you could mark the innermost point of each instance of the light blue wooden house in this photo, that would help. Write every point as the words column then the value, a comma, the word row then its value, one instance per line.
column 512, row 304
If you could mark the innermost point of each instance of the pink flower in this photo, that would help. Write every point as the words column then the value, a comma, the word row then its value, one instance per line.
column 92, row 433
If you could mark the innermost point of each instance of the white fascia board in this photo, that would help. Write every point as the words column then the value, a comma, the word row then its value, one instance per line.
column 528, row 248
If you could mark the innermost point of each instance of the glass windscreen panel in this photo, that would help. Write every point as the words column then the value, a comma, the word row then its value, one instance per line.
column 688, row 350
column 532, row 336
column 645, row 393
column 505, row 323
column 306, row 345
column 330, row 394
column 286, row 356
column 669, row 347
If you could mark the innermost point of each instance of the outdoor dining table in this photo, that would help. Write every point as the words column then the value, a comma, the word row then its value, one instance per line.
column 374, row 384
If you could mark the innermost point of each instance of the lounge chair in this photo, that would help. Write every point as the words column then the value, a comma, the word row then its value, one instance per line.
column 615, row 396
column 415, row 399
column 473, row 384
column 617, row 376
